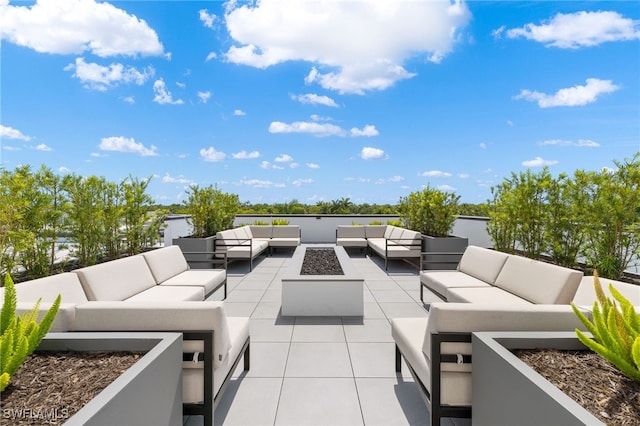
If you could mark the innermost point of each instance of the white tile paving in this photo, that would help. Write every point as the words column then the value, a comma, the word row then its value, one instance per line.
column 322, row 370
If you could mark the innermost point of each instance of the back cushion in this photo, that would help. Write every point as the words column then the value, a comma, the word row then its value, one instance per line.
column 482, row 263
column 66, row 284
column 375, row 231
column 346, row 231
column 244, row 233
column 286, row 231
column 538, row 282
column 261, row 231
column 166, row 262
column 116, row 280
column 227, row 237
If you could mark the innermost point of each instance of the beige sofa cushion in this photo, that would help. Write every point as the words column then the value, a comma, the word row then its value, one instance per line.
column 375, row 231
column 348, row 231
column 538, row 282
column 482, row 263
column 208, row 279
column 158, row 316
column 261, row 231
column 66, row 284
column 586, row 294
column 286, row 231
column 487, row 295
column 65, row 318
column 116, row 280
column 442, row 281
column 161, row 293
column 165, row 262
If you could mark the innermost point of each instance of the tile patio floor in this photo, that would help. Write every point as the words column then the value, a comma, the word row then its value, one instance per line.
column 322, row 370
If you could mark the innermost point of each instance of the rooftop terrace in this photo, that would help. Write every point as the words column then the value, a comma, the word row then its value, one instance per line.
column 322, row 371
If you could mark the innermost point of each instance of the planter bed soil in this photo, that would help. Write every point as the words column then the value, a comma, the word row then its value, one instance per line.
column 50, row 387
column 591, row 381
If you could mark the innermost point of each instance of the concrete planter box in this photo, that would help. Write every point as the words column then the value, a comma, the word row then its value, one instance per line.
column 506, row 391
column 442, row 253
column 197, row 251
column 322, row 295
column 148, row 393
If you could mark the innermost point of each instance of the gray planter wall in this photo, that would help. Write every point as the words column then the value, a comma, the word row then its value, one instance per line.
column 506, row 391
column 148, row 393
column 197, row 245
column 438, row 245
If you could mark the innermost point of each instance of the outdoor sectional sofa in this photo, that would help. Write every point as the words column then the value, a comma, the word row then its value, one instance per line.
column 490, row 291
column 387, row 241
column 154, row 291
column 250, row 241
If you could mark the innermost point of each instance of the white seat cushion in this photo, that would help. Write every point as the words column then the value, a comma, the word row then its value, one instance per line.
column 209, row 279
column 408, row 333
column 162, row 293
column 442, row 281
column 484, row 295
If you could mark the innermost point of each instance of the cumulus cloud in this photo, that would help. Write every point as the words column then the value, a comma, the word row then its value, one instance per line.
column 382, row 36
column 571, row 96
column 239, row 112
column 300, row 182
column 369, row 153
column 435, row 173
column 313, row 166
column 207, row 18
column 244, row 155
column 368, row 131
column 204, row 96
column 167, row 178
column 210, row 56
column 313, row 99
column 98, row 77
column 76, row 26
column 284, row 158
column 7, row 132
column 210, row 154
column 128, row 145
column 162, row 95
column 43, row 147
column 446, row 188
column 395, row 179
column 539, row 162
column 580, row 143
column 258, row 183
column 580, row 29
column 267, row 165
column 313, row 128
column 129, row 99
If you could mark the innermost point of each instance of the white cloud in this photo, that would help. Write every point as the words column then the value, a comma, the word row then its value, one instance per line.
column 128, row 145
column 571, row 96
column 63, row 170
column 204, row 96
column 483, row 145
column 580, row 143
column 313, row 166
column 129, row 99
column 210, row 56
column 316, row 117
column 316, row 129
column 267, row 165
column 313, row 99
column 395, row 179
column 539, row 162
column 368, row 131
column 446, row 188
column 97, row 77
column 76, row 26
column 43, row 147
column 369, row 153
column 300, row 182
column 435, row 173
column 207, row 18
column 381, row 35
column 163, row 96
column 257, row 183
column 284, row 158
column 7, row 132
column 580, row 29
column 244, row 155
column 464, row 175
column 181, row 85
column 167, row 178
column 210, row 154
column 239, row 112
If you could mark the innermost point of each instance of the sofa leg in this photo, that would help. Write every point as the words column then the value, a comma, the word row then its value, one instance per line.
column 421, row 293
column 247, row 357
column 398, row 360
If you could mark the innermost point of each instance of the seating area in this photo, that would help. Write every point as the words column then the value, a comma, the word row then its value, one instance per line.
column 250, row 241
column 386, row 241
column 153, row 291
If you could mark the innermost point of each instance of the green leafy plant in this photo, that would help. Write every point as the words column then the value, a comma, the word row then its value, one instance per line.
column 20, row 335
column 260, row 222
column 279, row 222
column 211, row 210
column 376, row 222
column 430, row 211
column 616, row 331
column 396, row 222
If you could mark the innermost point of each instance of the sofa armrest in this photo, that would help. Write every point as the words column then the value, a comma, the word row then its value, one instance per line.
column 470, row 317
column 158, row 316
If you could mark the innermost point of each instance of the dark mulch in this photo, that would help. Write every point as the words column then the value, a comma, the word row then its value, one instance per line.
column 50, row 387
column 589, row 380
column 321, row 262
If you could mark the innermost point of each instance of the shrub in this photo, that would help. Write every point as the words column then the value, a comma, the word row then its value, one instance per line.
column 279, row 222
column 20, row 335
column 616, row 332
column 211, row 210
column 430, row 211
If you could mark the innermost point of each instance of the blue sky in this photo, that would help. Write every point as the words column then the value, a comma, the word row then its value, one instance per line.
column 318, row 100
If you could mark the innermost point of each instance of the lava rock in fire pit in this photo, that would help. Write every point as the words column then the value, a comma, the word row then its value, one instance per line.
column 321, row 262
